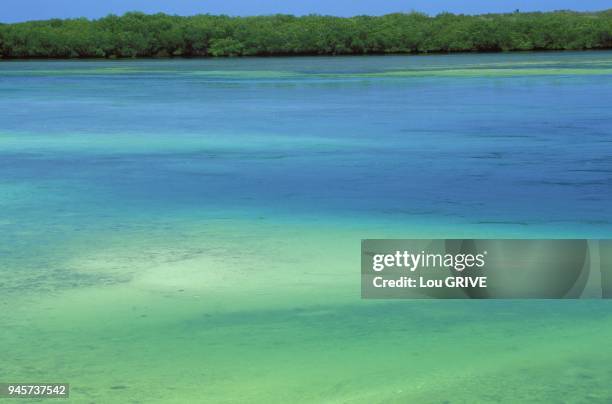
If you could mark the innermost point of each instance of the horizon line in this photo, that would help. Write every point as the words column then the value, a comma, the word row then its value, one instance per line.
column 431, row 15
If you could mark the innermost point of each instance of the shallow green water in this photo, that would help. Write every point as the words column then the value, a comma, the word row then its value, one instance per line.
column 188, row 230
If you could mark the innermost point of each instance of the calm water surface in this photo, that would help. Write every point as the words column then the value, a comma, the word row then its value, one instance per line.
column 188, row 230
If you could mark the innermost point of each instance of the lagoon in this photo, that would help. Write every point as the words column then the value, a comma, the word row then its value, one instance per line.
column 189, row 229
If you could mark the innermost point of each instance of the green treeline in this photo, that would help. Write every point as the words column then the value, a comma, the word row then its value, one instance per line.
column 140, row 35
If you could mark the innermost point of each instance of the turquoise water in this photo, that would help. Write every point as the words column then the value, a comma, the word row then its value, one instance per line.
column 189, row 230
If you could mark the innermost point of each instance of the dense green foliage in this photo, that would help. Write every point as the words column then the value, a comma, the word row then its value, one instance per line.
column 140, row 35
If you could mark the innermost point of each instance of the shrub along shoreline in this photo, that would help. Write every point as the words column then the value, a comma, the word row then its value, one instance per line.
column 159, row 35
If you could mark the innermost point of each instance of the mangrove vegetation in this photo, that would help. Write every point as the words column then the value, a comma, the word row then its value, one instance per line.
column 139, row 35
